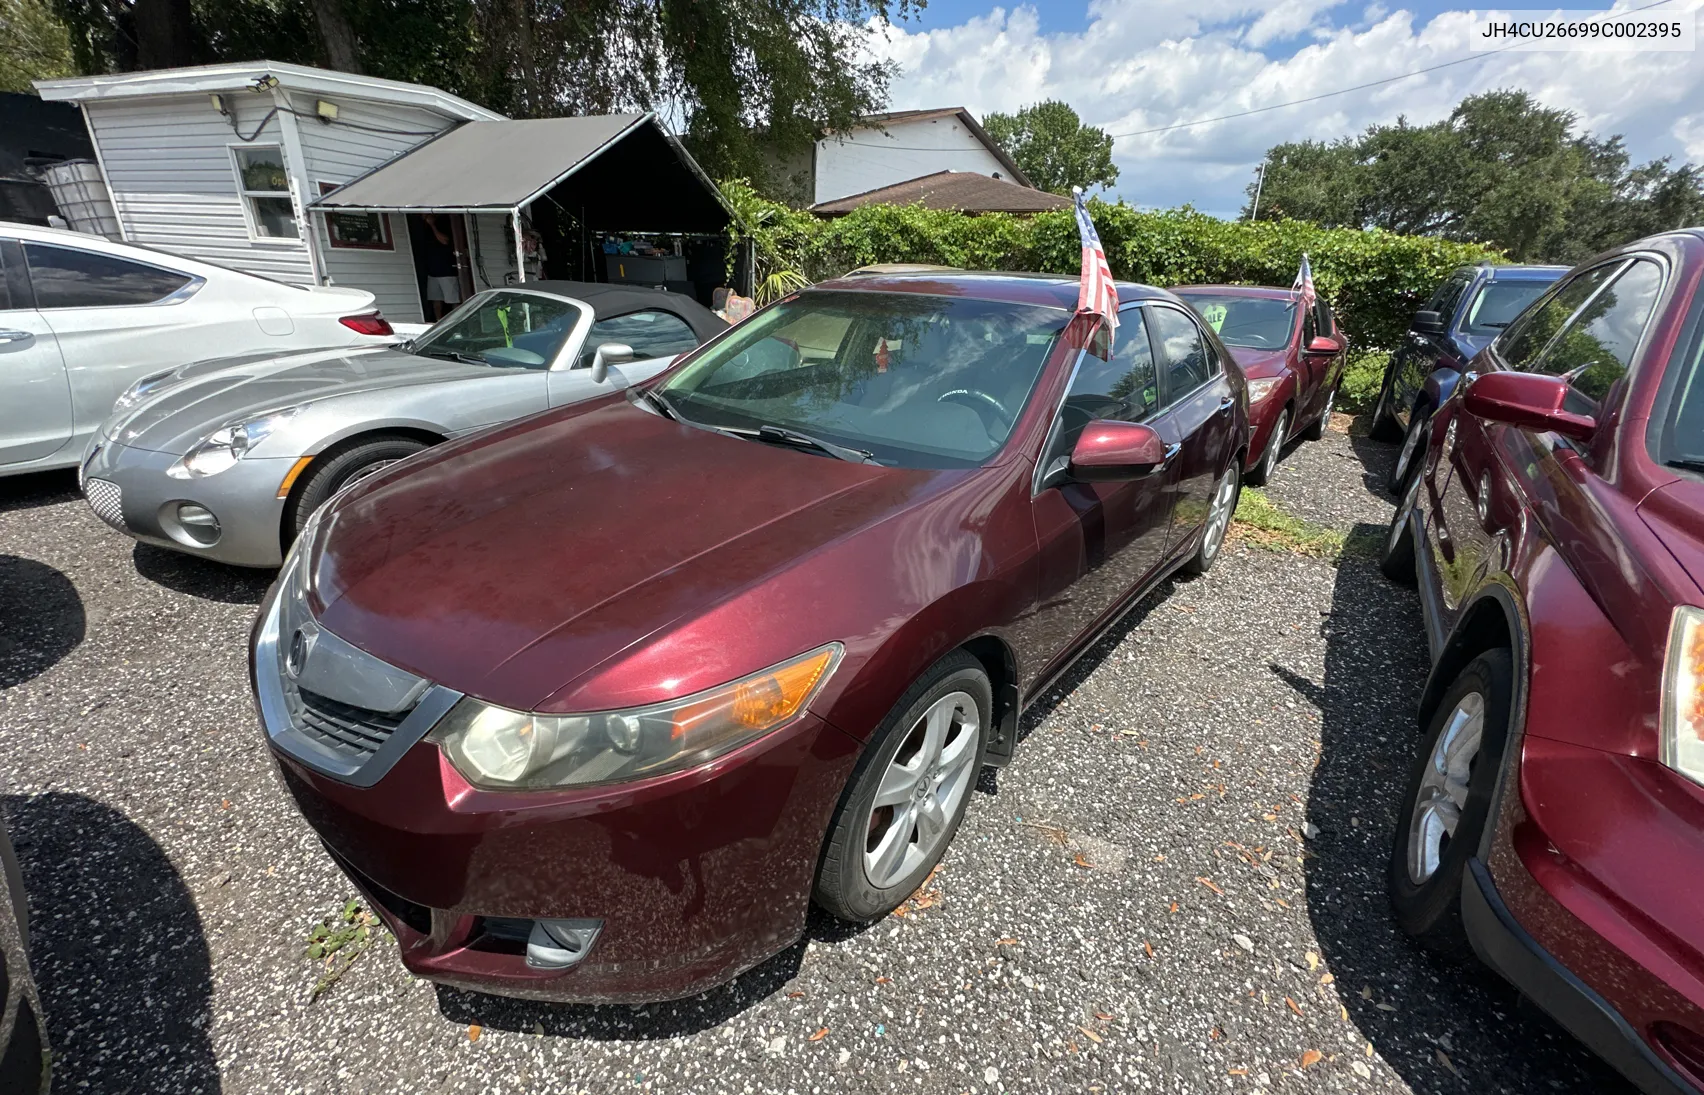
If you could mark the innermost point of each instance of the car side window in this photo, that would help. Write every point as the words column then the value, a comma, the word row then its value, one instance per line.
column 1522, row 342
column 651, row 334
column 5, row 289
column 1596, row 347
column 1125, row 387
column 67, row 277
column 1188, row 360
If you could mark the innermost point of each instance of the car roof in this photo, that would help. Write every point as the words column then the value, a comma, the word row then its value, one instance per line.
column 607, row 300
column 1260, row 292
column 1048, row 290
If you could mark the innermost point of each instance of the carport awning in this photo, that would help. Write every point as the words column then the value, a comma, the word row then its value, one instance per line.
column 612, row 172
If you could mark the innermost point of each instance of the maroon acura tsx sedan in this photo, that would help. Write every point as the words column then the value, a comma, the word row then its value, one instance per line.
column 593, row 705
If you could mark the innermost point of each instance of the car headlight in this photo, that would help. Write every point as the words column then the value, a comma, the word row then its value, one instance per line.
column 144, row 388
column 1261, row 388
column 1683, row 695
column 516, row 750
column 228, row 444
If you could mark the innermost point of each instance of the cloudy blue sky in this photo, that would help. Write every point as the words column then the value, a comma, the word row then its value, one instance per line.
column 1130, row 65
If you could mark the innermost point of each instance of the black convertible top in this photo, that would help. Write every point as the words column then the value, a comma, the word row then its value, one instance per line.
column 619, row 300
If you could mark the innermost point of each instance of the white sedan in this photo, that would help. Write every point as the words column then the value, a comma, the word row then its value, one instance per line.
column 82, row 318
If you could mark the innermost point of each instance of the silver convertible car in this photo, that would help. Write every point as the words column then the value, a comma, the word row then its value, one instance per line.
column 227, row 458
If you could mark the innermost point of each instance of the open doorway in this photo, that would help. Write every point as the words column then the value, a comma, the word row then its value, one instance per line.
column 441, row 269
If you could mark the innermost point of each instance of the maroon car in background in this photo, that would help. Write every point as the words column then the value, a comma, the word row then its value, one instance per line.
column 591, row 706
column 1293, row 361
column 1554, row 820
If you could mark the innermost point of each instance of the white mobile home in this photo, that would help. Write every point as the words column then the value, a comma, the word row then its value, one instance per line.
column 885, row 149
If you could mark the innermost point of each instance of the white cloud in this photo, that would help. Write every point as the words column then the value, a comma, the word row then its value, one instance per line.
column 1144, row 65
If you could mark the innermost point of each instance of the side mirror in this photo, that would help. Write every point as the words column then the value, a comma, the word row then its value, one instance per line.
column 1527, row 401
column 1428, row 322
column 1108, row 451
column 1324, row 344
column 609, row 353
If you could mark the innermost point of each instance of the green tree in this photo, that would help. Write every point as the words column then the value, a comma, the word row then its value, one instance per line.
column 34, row 45
column 1501, row 169
column 1054, row 148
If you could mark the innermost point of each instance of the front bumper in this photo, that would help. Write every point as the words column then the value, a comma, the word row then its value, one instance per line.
column 129, row 489
column 696, row 876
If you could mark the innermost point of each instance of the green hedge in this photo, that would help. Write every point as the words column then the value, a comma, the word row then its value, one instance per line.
column 1373, row 278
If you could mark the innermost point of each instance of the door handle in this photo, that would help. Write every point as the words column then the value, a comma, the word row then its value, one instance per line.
column 9, row 337
column 1171, row 454
column 1226, row 404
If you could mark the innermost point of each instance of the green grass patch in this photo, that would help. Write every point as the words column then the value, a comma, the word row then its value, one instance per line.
column 338, row 941
column 1260, row 522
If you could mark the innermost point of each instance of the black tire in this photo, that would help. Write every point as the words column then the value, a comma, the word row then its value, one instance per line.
column 1384, row 427
column 1430, row 911
column 1397, row 559
column 1210, row 547
column 1316, row 428
column 1261, row 473
column 1408, row 460
column 338, row 467
column 843, row 886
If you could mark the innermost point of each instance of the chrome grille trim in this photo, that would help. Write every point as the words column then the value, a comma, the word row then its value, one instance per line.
column 106, row 498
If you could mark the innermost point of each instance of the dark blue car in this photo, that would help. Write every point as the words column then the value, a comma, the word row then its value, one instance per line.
column 1469, row 309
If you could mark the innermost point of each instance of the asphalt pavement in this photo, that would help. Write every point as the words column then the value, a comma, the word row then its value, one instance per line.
column 1176, row 887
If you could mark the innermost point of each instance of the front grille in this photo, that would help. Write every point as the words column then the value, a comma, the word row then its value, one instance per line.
column 106, row 498
column 352, row 732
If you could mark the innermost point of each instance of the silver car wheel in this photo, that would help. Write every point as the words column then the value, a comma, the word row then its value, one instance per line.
column 1410, row 444
column 1330, row 400
column 1275, row 446
column 1443, row 790
column 1399, row 523
column 1219, row 517
column 922, row 789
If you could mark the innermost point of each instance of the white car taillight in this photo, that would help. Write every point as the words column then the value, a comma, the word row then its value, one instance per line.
column 368, row 323
column 1683, row 694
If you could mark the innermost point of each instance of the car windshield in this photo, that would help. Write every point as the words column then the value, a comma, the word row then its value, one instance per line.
column 1260, row 323
column 910, row 379
column 1497, row 303
column 507, row 329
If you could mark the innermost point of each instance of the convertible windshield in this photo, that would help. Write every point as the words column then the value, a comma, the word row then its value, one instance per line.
column 506, row 329
column 913, row 380
column 1499, row 302
column 1260, row 323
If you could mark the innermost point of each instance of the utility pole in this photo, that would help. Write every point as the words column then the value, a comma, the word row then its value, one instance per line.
column 1260, row 181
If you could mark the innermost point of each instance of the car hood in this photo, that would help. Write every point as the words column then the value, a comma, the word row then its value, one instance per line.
column 1257, row 363
column 208, row 394
column 510, row 565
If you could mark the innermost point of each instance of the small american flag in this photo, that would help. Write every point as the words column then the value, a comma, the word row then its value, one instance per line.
column 1304, row 284
column 1097, row 294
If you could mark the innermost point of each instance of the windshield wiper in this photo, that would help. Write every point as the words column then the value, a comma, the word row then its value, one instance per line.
column 664, row 407
column 781, row 435
column 1690, row 463
column 452, row 355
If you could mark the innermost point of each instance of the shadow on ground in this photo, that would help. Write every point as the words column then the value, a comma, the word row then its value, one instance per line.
column 42, row 488
column 41, row 619
column 1414, row 1010
column 201, row 578
column 646, row 1022
column 117, row 949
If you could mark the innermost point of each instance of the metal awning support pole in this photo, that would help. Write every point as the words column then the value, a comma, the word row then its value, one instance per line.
column 520, row 251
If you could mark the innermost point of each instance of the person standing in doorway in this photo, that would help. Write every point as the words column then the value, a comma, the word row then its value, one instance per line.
column 443, row 286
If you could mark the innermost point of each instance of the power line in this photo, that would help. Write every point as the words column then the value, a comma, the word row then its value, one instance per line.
column 1347, row 90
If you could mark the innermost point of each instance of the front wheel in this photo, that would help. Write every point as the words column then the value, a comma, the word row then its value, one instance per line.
column 1224, row 507
column 1397, row 560
column 338, row 468
column 908, row 793
column 1414, row 445
column 1261, row 473
column 1448, row 803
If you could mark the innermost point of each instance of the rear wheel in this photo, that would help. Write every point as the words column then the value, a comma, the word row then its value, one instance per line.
column 1219, row 515
column 338, row 468
column 1316, row 429
column 1449, row 803
column 908, row 793
column 1384, row 427
column 1413, row 448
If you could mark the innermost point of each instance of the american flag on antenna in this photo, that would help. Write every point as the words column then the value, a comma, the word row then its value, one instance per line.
column 1097, row 293
column 1304, row 284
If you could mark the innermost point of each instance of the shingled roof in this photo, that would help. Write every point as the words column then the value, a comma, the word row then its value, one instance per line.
column 965, row 191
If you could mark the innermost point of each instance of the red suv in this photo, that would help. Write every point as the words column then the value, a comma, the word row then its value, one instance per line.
column 1554, row 820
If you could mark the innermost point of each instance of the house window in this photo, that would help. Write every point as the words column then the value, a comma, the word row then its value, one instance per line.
column 265, row 187
column 365, row 231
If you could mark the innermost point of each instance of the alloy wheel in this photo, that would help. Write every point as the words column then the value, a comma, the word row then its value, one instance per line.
column 1410, row 445
column 1275, row 446
column 1219, row 516
column 1330, row 401
column 1443, row 791
column 921, row 789
column 1399, row 523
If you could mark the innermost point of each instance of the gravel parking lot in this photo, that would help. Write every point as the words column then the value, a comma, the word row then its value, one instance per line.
column 1177, row 886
